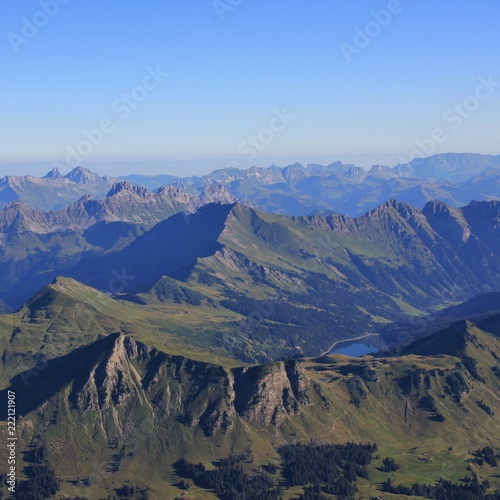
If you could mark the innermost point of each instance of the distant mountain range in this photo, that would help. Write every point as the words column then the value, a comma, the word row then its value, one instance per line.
column 54, row 191
column 453, row 178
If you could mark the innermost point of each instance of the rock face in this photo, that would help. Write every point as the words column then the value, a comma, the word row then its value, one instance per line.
column 54, row 174
column 112, row 381
column 120, row 380
column 451, row 220
column 269, row 394
column 133, row 379
column 123, row 203
column 215, row 193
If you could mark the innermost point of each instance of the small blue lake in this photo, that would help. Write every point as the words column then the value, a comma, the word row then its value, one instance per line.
column 356, row 348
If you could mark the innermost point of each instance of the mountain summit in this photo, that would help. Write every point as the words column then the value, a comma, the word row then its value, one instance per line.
column 53, row 174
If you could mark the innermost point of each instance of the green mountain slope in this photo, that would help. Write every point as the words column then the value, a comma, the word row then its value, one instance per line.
column 306, row 282
column 60, row 318
column 260, row 287
column 119, row 410
column 67, row 314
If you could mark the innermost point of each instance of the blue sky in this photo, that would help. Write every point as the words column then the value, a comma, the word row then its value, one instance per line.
column 234, row 69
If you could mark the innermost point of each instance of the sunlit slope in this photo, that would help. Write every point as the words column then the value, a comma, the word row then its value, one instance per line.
column 118, row 397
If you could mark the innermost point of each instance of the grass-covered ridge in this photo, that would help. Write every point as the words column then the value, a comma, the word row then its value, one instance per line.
column 133, row 411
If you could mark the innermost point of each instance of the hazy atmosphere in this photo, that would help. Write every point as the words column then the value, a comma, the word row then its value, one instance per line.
column 361, row 82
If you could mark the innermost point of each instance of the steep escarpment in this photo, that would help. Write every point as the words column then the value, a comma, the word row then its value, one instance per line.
column 108, row 378
column 123, row 203
column 269, row 394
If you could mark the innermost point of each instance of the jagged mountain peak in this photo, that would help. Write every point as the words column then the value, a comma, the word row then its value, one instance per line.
column 379, row 170
column 125, row 186
column 355, row 173
column 120, row 186
column 18, row 217
column 268, row 394
column 90, row 180
column 439, row 210
column 436, row 206
column 84, row 199
column 336, row 165
column 392, row 206
column 54, row 192
column 173, row 191
column 294, row 173
column 54, row 174
column 216, row 193
column 117, row 371
column 86, row 205
column 476, row 206
column 124, row 202
column 18, row 205
column 80, row 175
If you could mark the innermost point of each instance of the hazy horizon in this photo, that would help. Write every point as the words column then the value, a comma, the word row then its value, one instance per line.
column 382, row 81
column 187, row 168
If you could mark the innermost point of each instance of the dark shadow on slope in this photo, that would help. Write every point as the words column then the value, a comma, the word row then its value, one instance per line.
column 171, row 248
column 33, row 387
